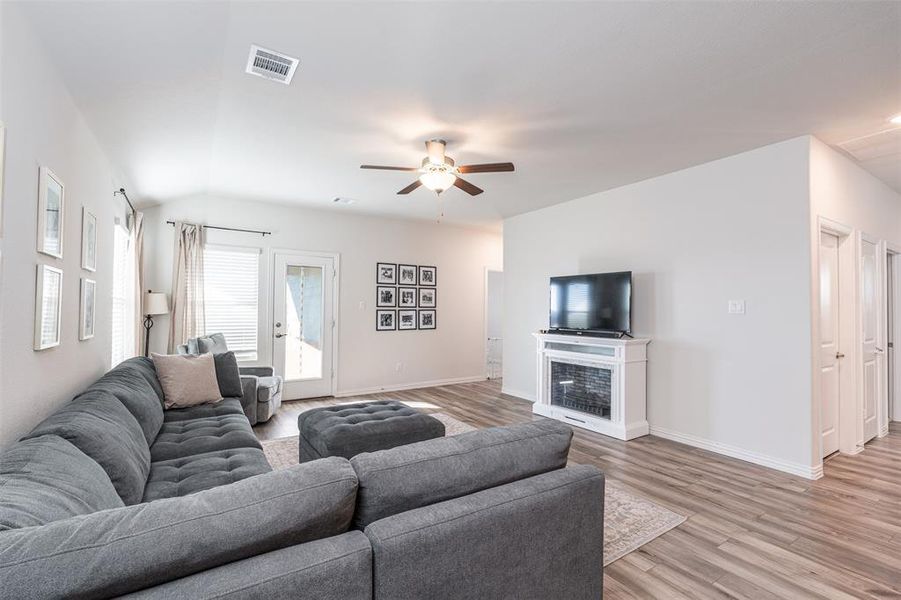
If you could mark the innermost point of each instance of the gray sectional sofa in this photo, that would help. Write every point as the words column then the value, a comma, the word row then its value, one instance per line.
column 112, row 496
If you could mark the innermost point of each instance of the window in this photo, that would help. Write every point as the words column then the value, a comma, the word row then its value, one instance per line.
column 231, row 285
column 123, row 318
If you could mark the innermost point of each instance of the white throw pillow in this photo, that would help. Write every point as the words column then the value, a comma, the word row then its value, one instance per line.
column 187, row 380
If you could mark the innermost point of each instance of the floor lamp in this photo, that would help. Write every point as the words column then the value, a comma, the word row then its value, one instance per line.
column 155, row 303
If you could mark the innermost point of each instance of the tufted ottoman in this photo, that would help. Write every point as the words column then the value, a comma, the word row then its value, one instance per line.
column 351, row 429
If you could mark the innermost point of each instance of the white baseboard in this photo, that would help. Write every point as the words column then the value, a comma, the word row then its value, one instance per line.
column 518, row 394
column 763, row 460
column 408, row 386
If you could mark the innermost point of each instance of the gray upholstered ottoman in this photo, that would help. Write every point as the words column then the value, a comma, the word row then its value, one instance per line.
column 351, row 429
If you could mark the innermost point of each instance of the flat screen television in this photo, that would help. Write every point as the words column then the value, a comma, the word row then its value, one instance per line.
column 598, row 303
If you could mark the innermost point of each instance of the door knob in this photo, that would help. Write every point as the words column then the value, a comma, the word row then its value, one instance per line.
column 839, row 355
column 879, row 350
column 280, row 335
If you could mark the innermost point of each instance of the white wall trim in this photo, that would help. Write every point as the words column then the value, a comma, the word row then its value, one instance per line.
column 806, row 471
column 409, row 386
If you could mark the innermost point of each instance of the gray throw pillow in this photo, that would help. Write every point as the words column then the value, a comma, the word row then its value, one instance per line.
column 214, row 344
column 228, row 375
column 47, row 479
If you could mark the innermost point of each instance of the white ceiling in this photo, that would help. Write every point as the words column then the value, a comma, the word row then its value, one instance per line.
column 582, row 97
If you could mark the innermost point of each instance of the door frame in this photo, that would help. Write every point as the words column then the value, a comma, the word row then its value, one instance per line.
column 848, row 249
column 336, row 315
column 893, row 412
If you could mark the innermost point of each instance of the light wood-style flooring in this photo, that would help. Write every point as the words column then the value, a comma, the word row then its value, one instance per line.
column 751, row 532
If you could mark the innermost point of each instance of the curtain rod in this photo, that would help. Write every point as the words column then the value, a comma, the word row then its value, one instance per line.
column 262, row 233
column 121, row 192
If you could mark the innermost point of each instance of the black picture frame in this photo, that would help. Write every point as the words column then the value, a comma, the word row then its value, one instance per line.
column 425, row 313
column 381, row 301
column 385, row 273
column 428, row 276
column 414, row 277
column 386, row 320
column 427, row 290
column 404, row 290
column 414, row 316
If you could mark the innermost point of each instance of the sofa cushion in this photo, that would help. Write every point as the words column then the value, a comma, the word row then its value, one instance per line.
column 100, row 426
column 414, row 475
column 178, row 439
column 130, row 383
column 183, row 476
column 350, row 429
column 228, row 406
column 114, row 552
column 47, row 479
column 227, row 375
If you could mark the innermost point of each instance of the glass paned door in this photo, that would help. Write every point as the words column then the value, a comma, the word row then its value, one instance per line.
column 303, row 324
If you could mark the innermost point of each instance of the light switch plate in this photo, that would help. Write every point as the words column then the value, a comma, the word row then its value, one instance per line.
column 736, row 307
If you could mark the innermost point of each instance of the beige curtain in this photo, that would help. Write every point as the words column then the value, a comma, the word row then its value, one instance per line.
column 187, row 318
column 136, row 247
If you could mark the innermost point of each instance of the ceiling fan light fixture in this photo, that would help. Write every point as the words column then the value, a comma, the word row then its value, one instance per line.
column 438, row 179
column 896, row 120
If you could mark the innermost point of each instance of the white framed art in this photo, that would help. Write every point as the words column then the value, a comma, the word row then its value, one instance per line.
column 88, row 308
column 51, row 213
column 88, row 240
column 48, row 307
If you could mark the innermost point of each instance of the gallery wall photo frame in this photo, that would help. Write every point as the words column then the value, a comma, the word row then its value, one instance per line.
column 428, row 319
column 428, row 297
column 406, row 320
column 428, row 276
column 385, row 273
column 48, row 307
column 88, row 309
column 51, row 213
column 385, row 296
column 88, row 240
column 406, row 297
column 407, row 275
column 385, row 320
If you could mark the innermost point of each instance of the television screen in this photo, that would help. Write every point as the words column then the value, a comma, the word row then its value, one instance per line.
column 599, row 302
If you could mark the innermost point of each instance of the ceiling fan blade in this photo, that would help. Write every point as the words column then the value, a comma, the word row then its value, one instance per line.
column 410, row 187
column 388, row 168
column 467, row 187
column 486, row 168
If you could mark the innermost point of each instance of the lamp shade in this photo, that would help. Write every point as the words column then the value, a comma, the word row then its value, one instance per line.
column 156, row 303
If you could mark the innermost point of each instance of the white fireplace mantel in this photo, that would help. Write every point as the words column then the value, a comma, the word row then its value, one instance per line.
column 615, row 364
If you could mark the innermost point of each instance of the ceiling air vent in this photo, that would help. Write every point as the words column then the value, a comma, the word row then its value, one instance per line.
column 271, row 65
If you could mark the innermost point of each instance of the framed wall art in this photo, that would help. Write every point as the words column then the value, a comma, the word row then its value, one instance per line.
column 51, row 213
column 48, row 307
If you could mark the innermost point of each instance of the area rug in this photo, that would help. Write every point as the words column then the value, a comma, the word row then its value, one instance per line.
column 630, row 521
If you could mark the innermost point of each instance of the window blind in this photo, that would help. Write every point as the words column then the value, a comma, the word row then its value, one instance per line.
column 231, row 282
column 123, row 318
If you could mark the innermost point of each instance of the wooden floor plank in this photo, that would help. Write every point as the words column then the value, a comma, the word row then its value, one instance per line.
column 751, row 532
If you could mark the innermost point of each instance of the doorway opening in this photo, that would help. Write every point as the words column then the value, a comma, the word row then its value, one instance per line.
column 494, row 323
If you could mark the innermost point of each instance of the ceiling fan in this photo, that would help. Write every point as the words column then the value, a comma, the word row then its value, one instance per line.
column 439, row 172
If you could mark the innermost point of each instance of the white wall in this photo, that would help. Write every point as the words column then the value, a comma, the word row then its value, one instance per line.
column 735, row 228
column 45, row 128
column 367, row 359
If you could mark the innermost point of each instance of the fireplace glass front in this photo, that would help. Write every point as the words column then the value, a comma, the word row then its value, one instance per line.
column 583, row 388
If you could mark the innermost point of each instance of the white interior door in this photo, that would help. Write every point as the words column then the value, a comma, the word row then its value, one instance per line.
column 871, row 370
column 303, row 324
column 830, row 354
